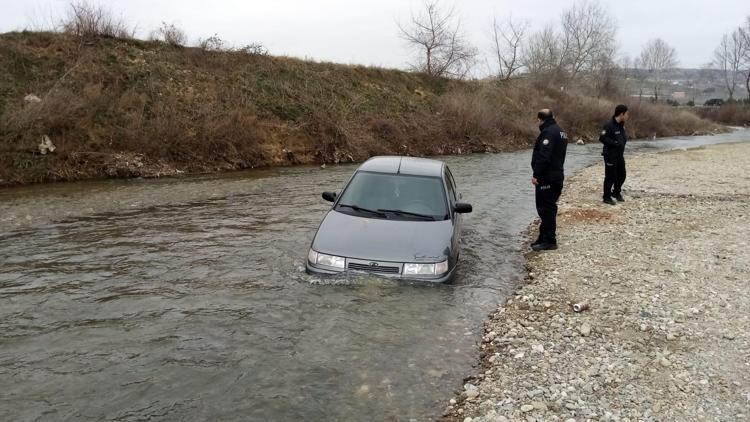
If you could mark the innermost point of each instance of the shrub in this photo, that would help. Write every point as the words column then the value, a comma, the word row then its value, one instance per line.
column 255, row 49
column 212, row 43
column 737, row 114
column 94, row 21
column 171, row 34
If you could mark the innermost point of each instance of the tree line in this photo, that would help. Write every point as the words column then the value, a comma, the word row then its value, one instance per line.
column 580, row 48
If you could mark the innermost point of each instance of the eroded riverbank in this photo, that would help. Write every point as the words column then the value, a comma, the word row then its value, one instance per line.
column 666, row 276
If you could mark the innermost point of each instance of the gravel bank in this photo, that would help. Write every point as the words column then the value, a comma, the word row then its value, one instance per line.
column 667, row 335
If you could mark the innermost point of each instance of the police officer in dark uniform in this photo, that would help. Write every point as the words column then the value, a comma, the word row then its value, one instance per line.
column 614, row 138
column 547, row 163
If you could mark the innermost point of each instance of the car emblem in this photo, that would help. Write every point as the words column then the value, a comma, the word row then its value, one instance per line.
column 374, row 264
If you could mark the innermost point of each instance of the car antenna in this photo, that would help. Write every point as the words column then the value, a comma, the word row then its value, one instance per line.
column 399, row 165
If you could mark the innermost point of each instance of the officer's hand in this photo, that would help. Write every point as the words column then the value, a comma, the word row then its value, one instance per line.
column 534, row 181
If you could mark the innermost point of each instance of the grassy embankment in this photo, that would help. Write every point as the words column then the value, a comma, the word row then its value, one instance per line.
column 125, row 108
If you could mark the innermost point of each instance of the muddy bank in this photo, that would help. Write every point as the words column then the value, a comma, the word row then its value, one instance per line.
column 666, row 276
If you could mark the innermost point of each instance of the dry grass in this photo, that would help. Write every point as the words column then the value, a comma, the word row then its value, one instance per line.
column 736, row 114
column 195, row 110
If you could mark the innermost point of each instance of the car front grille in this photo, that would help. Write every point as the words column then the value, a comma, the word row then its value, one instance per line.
column 374, row 267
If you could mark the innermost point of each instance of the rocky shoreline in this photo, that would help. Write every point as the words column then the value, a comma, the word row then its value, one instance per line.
column 667, row 334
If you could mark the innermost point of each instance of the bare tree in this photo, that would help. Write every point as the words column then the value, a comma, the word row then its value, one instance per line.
column 542, row 52
column 745, row 33
column 640, row 76
column 658, row 57
column 584, row 46
column 507, row 42
column 436, row 36
column 588, row 39
column 729, row 57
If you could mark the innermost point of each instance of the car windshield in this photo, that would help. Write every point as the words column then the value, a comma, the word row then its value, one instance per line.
column 398, row 196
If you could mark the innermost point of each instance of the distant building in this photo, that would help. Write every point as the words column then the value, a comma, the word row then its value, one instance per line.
column 679, row 95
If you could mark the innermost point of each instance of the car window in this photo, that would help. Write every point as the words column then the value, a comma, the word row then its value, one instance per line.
column 451, row 186
column 380, row 191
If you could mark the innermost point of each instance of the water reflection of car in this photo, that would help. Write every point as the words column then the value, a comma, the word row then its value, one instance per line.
column 397, row 217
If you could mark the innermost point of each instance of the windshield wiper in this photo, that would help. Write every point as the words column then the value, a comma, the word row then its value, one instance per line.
column 411, row 214
column 360, row 209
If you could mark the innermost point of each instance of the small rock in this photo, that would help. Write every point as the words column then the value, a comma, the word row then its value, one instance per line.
column 729, row 336
column 585, row 329
column 664, row 362
column 452, row 401
column 468, row 419
column 31, row 98
column 537, row 348
column 535, row 393
column 580, row 142
column 540, row 405
column 472, row 394
column 526, row 408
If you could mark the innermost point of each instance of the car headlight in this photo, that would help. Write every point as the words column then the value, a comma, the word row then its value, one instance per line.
column 326, row 260
column 426, row 269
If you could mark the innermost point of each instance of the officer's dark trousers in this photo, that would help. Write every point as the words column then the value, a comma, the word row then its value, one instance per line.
column 614, row 175
column 546, row 206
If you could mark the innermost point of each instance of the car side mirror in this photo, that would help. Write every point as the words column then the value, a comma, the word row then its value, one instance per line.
column 329, row 196
column 462, row 208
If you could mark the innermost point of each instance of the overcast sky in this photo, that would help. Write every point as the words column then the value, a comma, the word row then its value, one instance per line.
column 365, row 31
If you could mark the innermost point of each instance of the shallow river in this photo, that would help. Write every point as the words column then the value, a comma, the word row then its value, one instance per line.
column 186, row 299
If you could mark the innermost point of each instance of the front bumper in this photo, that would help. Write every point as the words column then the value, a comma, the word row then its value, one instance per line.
column 445, row 278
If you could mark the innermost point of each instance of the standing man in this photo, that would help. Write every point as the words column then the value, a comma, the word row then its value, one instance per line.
column 547, row 163
column 614, row 139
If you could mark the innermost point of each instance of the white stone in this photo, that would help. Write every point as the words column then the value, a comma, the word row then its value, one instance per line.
column 31, row 98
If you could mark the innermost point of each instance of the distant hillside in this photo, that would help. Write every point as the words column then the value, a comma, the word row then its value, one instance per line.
column 123, row 108
column 684, row 85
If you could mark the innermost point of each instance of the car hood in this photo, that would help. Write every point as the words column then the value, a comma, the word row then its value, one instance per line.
column 383, row 240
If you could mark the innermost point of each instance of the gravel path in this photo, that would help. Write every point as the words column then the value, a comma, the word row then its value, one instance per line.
column 667, row 335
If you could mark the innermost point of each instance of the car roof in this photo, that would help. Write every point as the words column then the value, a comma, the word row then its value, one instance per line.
column 412, row 166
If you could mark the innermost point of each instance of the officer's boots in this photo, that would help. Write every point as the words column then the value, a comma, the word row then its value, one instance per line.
column 544, row 245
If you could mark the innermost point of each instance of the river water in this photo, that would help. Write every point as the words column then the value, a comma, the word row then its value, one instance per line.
column 186, row 299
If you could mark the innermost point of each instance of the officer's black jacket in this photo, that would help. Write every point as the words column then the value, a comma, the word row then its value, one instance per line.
column 549, row 153
column 614, row 138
